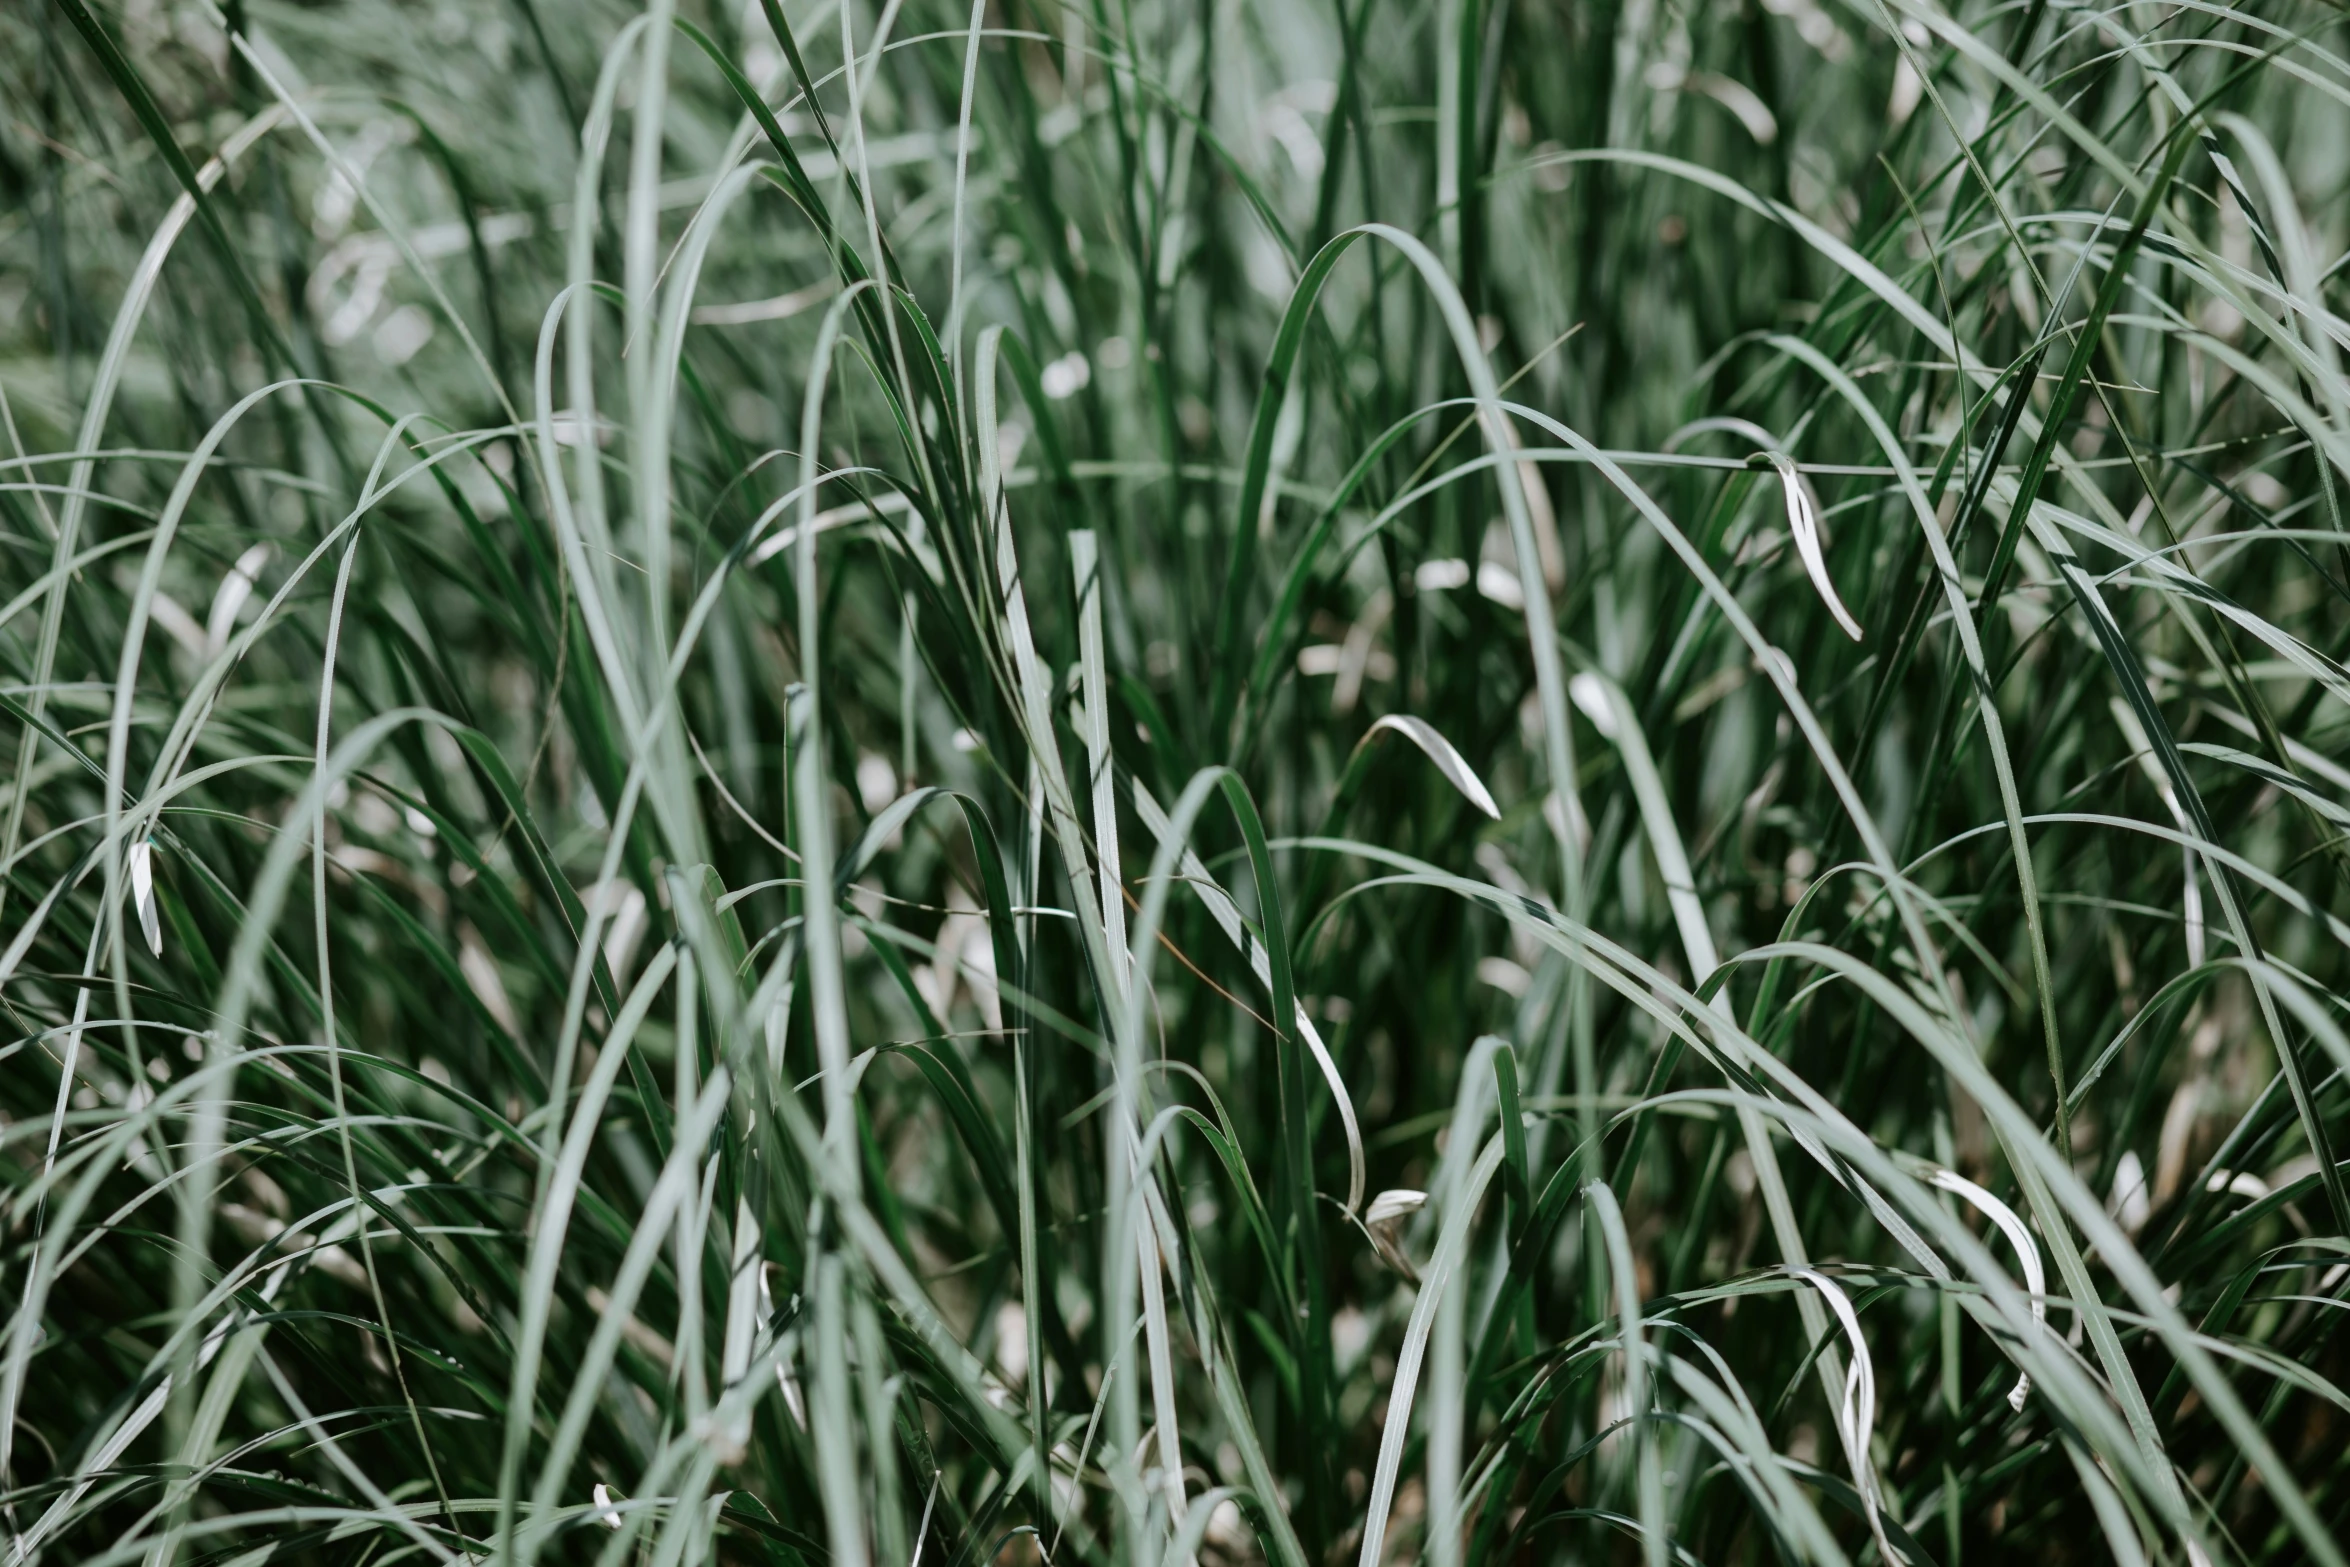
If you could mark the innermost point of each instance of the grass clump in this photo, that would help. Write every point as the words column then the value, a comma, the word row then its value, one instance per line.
column 836, row 784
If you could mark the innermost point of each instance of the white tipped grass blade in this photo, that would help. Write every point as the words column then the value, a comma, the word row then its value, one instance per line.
column 1591, row 698
column 1346, row 1106
column 1856, row 1418
column 142, row 868
column 1384, row 1220
column 606, row 1513
column 1439, row 750
column 1741, row 100
column 1499, row 583
column 1804, row 523
column 929, row 1504
column 2027, row 1252
column 2129, row 1202
column 230, row 599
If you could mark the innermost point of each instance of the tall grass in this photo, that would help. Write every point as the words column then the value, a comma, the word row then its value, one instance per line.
column 1174, row 783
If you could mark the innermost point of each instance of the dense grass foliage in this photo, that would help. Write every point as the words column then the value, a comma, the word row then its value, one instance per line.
column 844, row 784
